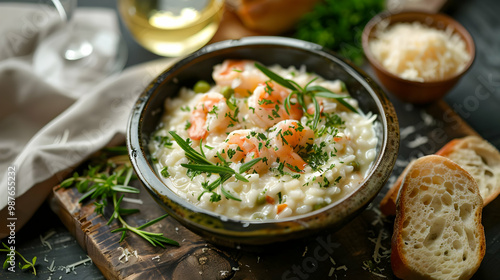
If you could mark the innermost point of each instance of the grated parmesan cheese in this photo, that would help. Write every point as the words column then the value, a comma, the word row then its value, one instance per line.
column 417, row 52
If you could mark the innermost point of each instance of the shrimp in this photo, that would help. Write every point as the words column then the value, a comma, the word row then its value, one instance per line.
column 267, row 105
column 289, row 138
column 210, row 113
column 244, row 145
column 241, row 75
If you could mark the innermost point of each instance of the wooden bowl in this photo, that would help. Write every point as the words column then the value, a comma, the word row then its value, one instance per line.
column 414, row 91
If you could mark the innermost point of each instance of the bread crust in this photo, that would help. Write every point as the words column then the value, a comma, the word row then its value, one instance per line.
column 269, row 16
column 388, row 203
column 472, row 143
column 487, row 153
column 406, row 268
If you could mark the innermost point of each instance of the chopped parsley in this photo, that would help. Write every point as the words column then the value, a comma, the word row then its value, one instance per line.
column 188, row 125
column 164, row 141
column 315, row 155
column 214, row 111
column 325, row 183
column 164, row 172
column 265, row 102
column 231, row 153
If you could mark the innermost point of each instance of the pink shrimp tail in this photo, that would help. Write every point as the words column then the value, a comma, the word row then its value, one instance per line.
column 197, row 129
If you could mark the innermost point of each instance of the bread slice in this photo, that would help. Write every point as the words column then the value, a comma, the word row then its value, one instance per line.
column 480, row 159
column 388, row 203
column 437, row 231
column 474, row 154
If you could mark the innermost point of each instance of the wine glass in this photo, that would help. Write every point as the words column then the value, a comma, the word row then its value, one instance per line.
column 80, row 53
column 171, row 28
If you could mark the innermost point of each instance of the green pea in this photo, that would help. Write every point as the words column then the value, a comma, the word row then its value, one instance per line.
column 227, row 92
column 343, row 87
column 355, row 165
column 261, row 199
column 201, row 86
column 319, row 205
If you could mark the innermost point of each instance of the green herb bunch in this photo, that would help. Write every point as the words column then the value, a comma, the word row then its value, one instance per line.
column 338, row 25
column 107, row 180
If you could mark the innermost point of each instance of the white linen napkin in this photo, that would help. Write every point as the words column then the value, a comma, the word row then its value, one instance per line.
column 49, row 126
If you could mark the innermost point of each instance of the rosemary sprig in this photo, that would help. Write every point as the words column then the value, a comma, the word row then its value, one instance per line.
column 103, row 182
column 27, row 264
column 200, row 163
column 301, row 92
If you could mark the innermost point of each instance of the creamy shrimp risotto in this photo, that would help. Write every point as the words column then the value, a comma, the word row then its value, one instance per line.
column 263, row 143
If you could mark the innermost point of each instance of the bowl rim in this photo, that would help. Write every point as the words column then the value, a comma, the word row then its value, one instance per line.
column 388, row 149
column 401, row 17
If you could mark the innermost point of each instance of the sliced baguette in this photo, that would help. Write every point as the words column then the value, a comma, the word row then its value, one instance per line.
column 480, row 159
column 474, row 154
column 437, row 231
column 388, row 203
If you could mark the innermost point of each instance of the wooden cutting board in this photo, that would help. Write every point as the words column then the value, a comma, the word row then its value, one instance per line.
column 360, row 250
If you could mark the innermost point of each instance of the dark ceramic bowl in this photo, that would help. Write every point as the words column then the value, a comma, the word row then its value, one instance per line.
column 413, row 91
column 268, row 50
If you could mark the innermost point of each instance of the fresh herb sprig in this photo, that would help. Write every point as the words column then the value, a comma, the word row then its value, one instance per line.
column 103, row 182
column 312, row 91
column 200, row 163
column 27, row 264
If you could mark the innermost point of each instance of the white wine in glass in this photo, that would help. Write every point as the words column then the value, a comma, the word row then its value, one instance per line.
column 171, row 27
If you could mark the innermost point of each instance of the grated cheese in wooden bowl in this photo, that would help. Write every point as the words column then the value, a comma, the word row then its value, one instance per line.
column 416, row 52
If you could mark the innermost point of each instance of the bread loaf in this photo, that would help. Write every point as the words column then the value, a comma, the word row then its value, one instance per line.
column 474, row 154
column 272, row 16
column 437, row 232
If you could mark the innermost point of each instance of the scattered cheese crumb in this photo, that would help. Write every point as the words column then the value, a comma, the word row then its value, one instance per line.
column 376, row 255
column 404, row 132
column 133, row 200
column 418, row 141
column 71, row 267
column 126, row 254
column 332, row 270
column 373, row 269
column 43, row 239
column 428, row 119
column 51, row 268
column 203, row 260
